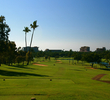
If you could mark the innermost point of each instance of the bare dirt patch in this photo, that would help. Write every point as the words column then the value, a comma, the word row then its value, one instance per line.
column 58, row 61
column 98, row 77
column 89, row 68
column 39, row 64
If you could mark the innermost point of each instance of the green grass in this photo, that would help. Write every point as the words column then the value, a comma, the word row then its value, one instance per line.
column 69, row 82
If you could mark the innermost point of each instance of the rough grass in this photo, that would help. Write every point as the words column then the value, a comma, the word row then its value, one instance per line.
column 69, row 82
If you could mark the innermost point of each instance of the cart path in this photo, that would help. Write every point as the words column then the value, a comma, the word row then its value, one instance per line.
column 98, row 77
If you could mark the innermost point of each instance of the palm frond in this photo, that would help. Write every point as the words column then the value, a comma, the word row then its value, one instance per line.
column 26, row 29
column 34, row 25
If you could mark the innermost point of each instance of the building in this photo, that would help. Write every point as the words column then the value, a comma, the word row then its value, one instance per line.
column 54, row 50
column 35, row 48
column 100, row 49
column 85, row 49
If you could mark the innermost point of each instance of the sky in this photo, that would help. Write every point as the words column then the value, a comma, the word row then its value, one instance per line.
column 63, row 24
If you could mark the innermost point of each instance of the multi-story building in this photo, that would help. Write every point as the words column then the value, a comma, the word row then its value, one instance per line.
column 35, row 48
column 85, row 49
column 100, row 49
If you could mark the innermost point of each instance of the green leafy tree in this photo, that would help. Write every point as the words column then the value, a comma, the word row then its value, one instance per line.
column 107, row 57
column 23, row 59
column 22, row 54
column 46, row 57
column 18, row 59
column 4, row 29
column 92, row 58
column 11, row 52
column 4, row 32
column 38, row 55
column 77, row 56
column 56, row 55
column 29, row 56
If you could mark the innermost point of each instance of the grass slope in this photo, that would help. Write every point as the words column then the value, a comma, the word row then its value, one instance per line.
column 69, row 82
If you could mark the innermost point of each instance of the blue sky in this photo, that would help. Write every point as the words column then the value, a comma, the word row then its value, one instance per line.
column 63, row 24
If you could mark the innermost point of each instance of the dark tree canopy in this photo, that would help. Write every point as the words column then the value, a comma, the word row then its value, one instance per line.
column 92, row 58
column 7, row 48
column 4, row 29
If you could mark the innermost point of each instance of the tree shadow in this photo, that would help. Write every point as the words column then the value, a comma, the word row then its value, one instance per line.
column 106, row 69
column 21, row 66
column 75, row 69
column 12, row 73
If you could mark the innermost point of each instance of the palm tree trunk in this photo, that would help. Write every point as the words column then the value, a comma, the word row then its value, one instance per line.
column 30, row 46
column 25, row 42
column 32, row 37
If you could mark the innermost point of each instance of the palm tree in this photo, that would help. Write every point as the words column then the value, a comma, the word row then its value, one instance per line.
column 34, row 25
column 26, row 30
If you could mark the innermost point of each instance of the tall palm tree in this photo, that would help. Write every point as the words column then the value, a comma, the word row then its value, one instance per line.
column 34, row 25
column 26, row 30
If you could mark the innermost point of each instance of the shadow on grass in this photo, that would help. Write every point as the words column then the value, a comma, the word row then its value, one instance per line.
column 106, row 69
column 12, row 73
column 75, row 69
column 21, row 94
column 21, row 66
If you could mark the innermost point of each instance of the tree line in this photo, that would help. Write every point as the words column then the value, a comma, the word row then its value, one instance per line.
column 91, row 57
